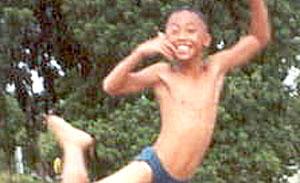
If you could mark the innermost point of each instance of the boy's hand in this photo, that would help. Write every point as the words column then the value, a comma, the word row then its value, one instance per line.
column 158, row 45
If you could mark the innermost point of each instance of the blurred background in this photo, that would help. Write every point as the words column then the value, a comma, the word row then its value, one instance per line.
column 54, row 55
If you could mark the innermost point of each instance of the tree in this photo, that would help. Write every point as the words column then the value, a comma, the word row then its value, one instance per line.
column 256, row 136
column 11, row 131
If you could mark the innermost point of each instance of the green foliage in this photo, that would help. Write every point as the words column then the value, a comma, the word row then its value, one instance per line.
column 48, row 147
column 2, row 159
column 11, row 132
column 5, row 177
column 14, row 21
column 257, row 133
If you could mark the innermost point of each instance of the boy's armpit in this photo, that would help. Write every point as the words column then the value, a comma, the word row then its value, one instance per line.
column 237, row 55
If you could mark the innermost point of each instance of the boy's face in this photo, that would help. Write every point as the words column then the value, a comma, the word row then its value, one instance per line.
column 188, row 33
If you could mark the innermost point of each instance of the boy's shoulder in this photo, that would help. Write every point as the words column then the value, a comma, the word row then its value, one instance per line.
column 161, row 67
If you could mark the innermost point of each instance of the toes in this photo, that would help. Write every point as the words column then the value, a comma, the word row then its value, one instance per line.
column 44, row 118
column 52, row 117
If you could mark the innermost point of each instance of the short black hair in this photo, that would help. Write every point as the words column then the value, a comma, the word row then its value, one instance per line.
column 197, row 12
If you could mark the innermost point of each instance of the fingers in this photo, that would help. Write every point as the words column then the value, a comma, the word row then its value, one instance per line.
column 158, row 45
column 165, row 51
column 168, row 51
column 46, row 115
column 167, row 48
column 170, row 46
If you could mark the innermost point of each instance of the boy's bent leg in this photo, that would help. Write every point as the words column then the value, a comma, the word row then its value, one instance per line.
column 74, row 143
column 134, row 172
column 74, row 170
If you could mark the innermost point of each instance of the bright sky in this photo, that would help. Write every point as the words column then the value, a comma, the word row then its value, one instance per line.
column 293, row 73
column 295, row 178
column 37, row 85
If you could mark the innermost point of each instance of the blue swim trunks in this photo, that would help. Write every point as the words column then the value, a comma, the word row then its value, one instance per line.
column 160, row 175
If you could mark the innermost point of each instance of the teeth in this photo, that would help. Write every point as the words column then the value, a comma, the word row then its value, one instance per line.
column 183, row 48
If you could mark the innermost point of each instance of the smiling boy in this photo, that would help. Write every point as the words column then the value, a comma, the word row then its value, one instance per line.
column 187, row 92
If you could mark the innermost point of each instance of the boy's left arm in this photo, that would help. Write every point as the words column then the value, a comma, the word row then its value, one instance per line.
column 257, row 39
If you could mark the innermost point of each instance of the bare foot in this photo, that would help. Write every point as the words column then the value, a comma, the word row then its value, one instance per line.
column 66, row 134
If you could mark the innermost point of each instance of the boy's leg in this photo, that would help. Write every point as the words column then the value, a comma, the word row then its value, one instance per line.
column 74, row 170
column 135, row 172
column 75, row 142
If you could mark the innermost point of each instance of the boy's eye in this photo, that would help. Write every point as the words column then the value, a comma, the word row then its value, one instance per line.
column 173, row 31
column 191, row 30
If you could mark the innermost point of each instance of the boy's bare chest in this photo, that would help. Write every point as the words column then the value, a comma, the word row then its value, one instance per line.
column 187, row 91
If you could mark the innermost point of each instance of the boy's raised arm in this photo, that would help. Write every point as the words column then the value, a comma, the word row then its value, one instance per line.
column 260, row 27
column 123, row 79
column 257, row 39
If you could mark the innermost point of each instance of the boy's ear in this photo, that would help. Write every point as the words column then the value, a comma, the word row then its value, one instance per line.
column 207, row 40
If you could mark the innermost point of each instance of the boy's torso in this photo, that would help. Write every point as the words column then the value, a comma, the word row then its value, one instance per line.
column 188, row 113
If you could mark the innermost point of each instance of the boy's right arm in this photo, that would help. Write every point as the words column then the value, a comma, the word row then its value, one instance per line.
column 257, row 39
column 123, row 80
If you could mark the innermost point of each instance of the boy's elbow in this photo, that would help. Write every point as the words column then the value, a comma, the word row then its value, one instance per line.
column 108, row 88
column 265, row 38
column 264, row 42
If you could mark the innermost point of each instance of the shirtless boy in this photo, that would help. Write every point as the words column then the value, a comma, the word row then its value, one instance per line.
column 187, row 92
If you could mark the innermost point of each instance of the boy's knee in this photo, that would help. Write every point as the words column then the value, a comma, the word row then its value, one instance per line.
column 75, row 177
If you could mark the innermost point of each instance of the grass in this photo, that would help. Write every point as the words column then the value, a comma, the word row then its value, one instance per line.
column 5, row 177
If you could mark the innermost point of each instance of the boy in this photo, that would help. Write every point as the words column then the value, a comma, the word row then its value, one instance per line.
column 188, row 94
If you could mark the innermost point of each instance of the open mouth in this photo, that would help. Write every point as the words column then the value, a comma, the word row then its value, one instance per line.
column 184, row 49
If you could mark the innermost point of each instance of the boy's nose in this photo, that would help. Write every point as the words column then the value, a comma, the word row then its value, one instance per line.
column 182, row 35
